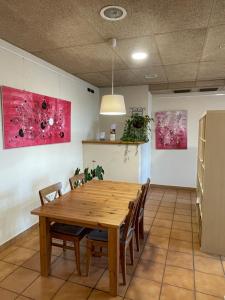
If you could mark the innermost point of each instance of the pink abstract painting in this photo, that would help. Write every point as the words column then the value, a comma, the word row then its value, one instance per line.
column 171, row 129
column 31, row 119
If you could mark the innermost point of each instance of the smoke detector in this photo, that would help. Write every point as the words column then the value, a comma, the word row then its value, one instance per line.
column 113, row 13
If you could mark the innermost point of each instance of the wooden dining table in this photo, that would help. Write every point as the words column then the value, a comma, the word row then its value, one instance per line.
column 98, row 204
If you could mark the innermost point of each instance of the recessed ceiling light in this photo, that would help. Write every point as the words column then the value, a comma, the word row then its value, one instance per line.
column 151, row 76
column 139, row 55
column 113, row 13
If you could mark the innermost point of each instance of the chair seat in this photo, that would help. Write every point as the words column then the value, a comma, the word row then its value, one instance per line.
column 102, row 235
column 67, row 229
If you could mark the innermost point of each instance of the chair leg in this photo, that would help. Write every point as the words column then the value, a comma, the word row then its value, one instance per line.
column 123, row 263
column 136, row 229
column 88, row 256
column 141, row 228
column 131, row 246
column 64, row 245
column 77, row 254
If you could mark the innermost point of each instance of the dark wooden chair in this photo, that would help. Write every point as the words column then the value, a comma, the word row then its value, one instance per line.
column 77, row 180
column 99, row 239
column 63, row 232
column 139, row 218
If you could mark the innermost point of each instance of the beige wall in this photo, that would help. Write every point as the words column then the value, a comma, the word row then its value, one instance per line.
column 23, row 171
column 134, row 96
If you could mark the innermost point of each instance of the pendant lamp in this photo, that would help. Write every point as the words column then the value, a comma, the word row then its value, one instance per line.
column 113, row 104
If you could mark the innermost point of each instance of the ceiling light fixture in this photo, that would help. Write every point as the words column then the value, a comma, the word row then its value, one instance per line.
column 113, row 13
column 151, row 76
column 139, row 55
column 113, row 104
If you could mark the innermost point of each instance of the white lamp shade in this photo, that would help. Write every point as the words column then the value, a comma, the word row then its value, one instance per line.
column 113, row 105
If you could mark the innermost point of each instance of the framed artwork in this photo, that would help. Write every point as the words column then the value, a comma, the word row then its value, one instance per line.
column 171, row 129
column 31, row 119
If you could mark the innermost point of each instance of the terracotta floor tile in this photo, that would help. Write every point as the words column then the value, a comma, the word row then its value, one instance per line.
column 143, row 289
column 154, row 254
column 160, row 231
column 223, row 263
column 63, row 268
column 95, row 274
column 22, row 298
column 179, row 259
column 182, row 226
column 34, row 262
column 43, row 288
column 151, row 208
column 183, row 205
column 180, row 277
column 164, row 216
column 200, row 296
column 149, row 214
column 181, row 235
column 167, row 204
column 182, row 218
column 99, row 295
column 153, row 202
column 72, row 291
column 162, row 223
column 165, row 209
column 148, row 221
column 7, row 251
column 149, row 270
column 56, row 251
column 29, row 242
column 210, row 284
column 7, row 295
column 182, row 211
column 103, row 284
column 182, row 246
column 20, row 256
column 195, row 237
column 208, row 265
column 20, row 279
column 6, row 269
column 175, row 293
column 156, row 241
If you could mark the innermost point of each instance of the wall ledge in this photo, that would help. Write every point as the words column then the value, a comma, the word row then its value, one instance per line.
column 108, row 142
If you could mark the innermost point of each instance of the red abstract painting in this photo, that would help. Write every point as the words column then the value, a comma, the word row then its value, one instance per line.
column 31, row 119
column 171, row 129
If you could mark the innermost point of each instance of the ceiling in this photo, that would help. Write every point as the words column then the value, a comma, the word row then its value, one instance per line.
column 184, row 39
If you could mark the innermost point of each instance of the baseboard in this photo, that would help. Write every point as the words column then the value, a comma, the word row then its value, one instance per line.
column 22, row 234
column 173, row 187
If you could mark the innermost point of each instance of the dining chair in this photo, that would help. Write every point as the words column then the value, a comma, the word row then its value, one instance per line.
column 76, row 181
column 99, row 238
column 63, row 232
column 139, row 218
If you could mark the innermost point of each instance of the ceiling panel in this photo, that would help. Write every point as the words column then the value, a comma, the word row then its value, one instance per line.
column 83, row 59
column 126, row 47
column 38, row 25
column 173, row 15
column 218, row 13
column 181, row 72
column 95, row 78
column 181, row 38
column 215, row 38
column 181, row 46
column 137, row 23
column 211, row 70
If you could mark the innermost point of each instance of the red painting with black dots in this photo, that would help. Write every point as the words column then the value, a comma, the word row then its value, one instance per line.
column 31, row 119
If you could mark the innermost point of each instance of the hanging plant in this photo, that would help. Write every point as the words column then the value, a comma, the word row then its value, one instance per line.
column 137, row 129
column 97, row 172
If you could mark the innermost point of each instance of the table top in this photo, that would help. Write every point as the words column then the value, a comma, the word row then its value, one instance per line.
column 98, row 203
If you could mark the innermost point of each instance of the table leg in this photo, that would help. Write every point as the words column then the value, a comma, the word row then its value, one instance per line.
column 114, row 256
column 45, row 245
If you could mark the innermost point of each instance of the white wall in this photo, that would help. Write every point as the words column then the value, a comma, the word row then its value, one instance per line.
column 23, row 171
column 178, row 167
column 133, row 96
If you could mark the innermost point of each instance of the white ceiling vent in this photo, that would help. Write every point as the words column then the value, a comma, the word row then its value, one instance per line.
column 113, row 13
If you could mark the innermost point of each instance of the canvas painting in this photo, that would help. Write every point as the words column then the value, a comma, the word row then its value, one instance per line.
column 31, row 119
column 171, row 129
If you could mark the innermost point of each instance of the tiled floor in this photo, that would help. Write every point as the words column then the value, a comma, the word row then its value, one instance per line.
column 170, row 265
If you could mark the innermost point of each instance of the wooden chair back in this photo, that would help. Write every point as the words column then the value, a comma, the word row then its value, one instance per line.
column 76, row 181
column 50, row 193
column 129, row 221
column 145, row 192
